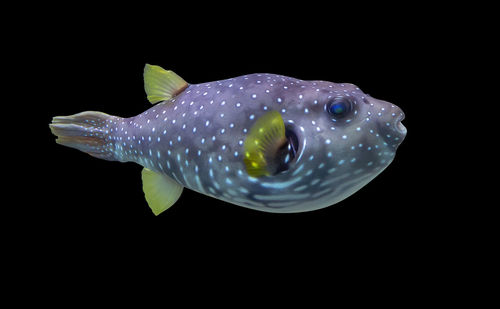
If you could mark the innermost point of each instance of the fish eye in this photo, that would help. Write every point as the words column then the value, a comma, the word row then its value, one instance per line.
column 339, row 107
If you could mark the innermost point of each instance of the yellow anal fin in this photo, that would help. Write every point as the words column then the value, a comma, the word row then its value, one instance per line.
column 266, row 136
column 160, row 191
column 161, row 84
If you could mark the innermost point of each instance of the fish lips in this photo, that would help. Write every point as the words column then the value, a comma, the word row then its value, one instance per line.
column 398, row 125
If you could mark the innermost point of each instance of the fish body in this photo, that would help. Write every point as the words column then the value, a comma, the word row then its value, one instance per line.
column 333, row 140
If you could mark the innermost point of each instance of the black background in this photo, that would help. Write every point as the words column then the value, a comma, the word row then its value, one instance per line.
column 93, row 211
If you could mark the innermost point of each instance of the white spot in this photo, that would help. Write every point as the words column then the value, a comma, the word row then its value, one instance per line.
column 344, row 136
column 306, row 110
column 252, row 117
column 254, row 96
column 315, row 181
column 328, row 141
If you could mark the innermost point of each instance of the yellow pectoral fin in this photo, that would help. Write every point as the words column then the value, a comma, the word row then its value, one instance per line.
column 161, row 84
column 262, row 142
column 160, row 191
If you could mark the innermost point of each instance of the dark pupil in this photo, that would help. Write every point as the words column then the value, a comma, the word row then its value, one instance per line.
column 338, row 108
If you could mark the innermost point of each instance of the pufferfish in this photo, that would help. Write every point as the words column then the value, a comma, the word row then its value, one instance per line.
column 262, row 141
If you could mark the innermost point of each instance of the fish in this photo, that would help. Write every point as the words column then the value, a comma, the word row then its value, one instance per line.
column 263, row 141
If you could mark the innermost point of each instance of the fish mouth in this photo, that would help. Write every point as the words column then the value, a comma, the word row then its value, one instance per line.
column 400, row 128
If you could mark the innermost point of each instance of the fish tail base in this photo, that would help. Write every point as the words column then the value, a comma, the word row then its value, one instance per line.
column 87, row 132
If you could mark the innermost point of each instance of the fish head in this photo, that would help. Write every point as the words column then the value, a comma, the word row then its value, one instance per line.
column 345, row 139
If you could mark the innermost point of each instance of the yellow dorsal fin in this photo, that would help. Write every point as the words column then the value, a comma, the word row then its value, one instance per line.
column 160, row 84
column 266, row 136
column 160, row 191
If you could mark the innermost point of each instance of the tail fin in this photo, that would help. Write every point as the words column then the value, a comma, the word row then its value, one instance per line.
column 86, row 132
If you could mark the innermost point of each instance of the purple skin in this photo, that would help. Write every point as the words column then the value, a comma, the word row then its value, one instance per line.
column 197, row 139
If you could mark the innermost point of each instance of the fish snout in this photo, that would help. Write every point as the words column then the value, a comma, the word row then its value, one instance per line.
column 392, row 129
column 398, row 126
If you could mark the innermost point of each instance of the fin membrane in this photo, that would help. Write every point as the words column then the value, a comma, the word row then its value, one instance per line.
column 86, row 132
column 160, row 84
column 160, row 191
column 261, row 147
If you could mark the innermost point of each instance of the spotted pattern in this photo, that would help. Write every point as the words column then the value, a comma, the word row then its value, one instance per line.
column 197, row 139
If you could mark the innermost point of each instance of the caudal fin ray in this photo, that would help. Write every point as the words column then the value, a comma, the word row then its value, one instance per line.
column 86, row 132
